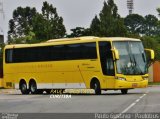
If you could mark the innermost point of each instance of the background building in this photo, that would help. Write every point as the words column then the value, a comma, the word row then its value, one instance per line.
column 154, row 72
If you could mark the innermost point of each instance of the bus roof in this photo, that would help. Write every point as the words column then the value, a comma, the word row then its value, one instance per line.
column 94, row 38
column 72, row 40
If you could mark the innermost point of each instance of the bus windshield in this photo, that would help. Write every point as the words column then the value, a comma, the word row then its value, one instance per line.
column 132, row 58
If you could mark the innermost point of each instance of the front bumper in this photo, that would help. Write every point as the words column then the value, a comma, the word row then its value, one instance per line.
column 120, row 84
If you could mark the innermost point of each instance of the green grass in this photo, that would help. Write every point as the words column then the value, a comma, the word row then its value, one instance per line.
column 154, row 83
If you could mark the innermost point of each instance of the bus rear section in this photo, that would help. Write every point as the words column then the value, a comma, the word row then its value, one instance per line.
column 47, row 66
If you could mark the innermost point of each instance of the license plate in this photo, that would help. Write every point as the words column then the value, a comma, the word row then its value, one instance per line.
column 134, row 85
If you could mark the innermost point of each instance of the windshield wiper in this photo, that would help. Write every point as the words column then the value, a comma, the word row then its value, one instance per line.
column 140, row 71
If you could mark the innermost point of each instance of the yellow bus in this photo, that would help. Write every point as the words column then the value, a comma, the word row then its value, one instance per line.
column 75, row 63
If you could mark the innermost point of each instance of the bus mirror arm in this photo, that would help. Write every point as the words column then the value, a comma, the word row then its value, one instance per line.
column 116, row 54
column 151, row 53
column 151, row 56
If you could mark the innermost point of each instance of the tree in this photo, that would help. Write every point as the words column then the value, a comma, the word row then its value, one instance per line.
column 150, row 25
column 50, row 25
column 21, row 24
column 39, row 26
column 109, row 22
column 95, row 26
column 134, row 24
column 158, row 10
column 29, row 26
column 79, row 31
column 151, row 43
column 30, row 38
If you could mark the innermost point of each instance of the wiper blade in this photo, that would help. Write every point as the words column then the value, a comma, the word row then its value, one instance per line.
column 140, row 71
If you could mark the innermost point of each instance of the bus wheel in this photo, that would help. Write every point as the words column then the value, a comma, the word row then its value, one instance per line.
column 33, row 87
column 124, row 91
column 96, row 87
column 23, row 88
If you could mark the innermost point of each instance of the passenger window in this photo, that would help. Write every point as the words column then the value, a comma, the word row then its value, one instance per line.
column 9, row 56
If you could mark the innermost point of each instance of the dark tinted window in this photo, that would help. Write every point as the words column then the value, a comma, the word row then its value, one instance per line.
column 106, row 58
column 52, row 53
column 9, row 55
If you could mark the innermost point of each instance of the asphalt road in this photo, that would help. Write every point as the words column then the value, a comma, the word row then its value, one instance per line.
column 136, row 101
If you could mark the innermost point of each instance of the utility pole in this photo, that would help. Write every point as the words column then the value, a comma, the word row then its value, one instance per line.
column 130, row 6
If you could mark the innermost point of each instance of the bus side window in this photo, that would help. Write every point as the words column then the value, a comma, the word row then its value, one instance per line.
column 9, row 56
column 106, row 58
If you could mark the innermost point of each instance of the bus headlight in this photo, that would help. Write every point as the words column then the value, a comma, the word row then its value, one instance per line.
column 145, row 78
column 121, row 78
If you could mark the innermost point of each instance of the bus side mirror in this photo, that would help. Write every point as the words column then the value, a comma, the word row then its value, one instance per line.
column 150, row 54
column 116, row 54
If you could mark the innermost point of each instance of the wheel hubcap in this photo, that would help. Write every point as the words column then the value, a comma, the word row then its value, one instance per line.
column 33, row 88
column 95, row 86
column 24, row 87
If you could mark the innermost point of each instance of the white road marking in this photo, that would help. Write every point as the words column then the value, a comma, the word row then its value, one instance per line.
column 130, row 106
column 141, row 97
column 124, row 111
column 137, row 100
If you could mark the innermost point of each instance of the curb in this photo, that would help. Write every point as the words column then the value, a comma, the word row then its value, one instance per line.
column 8, row 91
column 153, row 85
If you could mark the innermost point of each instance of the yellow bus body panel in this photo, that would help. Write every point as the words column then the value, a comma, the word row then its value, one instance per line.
column 1, row 82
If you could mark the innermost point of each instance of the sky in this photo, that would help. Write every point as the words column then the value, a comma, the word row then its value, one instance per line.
column 76, row 12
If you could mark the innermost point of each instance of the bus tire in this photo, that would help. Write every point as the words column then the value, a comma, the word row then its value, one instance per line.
column 23, row 87
column 33, row 87
column 124, row 91
column 96, row 87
